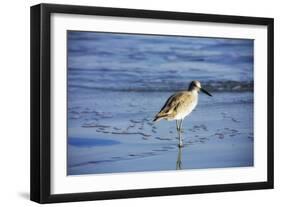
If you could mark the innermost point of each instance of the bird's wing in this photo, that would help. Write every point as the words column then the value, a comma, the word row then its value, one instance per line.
column 172, row 103
column 167, row 102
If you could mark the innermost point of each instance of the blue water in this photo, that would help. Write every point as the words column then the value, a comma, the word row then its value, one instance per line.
column 117, row 82
column 145, row 62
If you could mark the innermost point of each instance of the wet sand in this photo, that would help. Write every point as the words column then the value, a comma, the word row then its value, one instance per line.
column 113, row 137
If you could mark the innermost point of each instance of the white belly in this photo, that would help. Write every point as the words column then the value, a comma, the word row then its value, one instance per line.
column 187, row 111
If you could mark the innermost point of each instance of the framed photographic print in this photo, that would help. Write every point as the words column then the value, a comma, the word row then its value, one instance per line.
column 132, row 103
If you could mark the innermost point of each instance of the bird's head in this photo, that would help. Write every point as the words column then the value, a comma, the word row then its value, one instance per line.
column 196, row 85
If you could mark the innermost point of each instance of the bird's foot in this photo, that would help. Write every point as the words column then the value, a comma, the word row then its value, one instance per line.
column 180, row 145
column 180, row 131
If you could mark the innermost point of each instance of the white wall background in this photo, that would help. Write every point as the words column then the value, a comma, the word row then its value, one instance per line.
column 14, row 101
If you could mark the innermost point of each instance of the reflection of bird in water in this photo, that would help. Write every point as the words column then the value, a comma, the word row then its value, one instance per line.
column 180, row 105
column 179, row 162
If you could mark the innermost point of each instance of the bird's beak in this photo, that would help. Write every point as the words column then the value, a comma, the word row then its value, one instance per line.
column 206, row 92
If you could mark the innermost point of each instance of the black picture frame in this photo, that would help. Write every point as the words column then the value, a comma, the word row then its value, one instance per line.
column 40, row 184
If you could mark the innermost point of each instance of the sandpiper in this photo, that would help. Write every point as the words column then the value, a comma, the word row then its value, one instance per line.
column 180, row 105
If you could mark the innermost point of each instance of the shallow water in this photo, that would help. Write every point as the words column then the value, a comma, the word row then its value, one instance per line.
column 117, row 83
column 217, row 134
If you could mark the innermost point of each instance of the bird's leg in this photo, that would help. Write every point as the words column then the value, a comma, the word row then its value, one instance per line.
column 177, row 125
column 180, row 127
column 180, row 131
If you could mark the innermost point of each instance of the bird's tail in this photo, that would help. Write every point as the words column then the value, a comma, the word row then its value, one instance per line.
column 159, row 117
